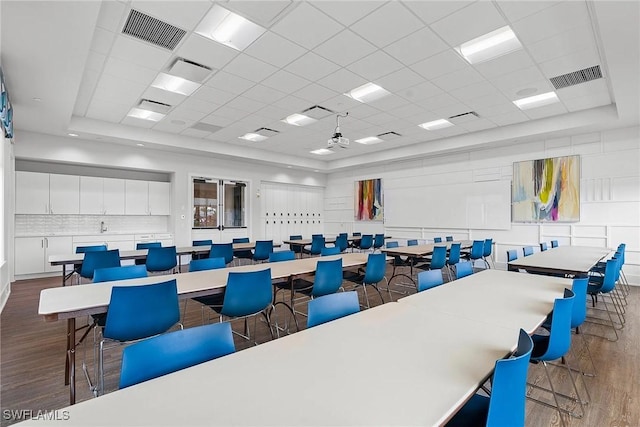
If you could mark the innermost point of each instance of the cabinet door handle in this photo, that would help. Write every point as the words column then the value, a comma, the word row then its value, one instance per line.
column 46, row 241
column 42, row 243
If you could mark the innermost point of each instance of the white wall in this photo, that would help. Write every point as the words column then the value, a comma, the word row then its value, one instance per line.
column 610, row 193
column 36, row 146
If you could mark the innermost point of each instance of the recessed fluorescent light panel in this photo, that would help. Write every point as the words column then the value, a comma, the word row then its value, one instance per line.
column 367, row 92
column 489, row 46
column 139, row 113
column 536, row 101
column 298, row 119
column 369, row 140
column 229, row 28
column 322, row 152
column 253, row 137
column 175, row 84
column 436, row 124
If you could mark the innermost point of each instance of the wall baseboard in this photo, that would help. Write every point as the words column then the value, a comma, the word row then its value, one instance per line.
column 5, row 284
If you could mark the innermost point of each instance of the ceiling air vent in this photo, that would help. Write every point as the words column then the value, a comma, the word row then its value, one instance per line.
column 464, row 117
column 266, row 132
column 152, row 30
column 576, row 77
column 317, row 112
column 189, row 70
column 389, row 135
column 158, row 107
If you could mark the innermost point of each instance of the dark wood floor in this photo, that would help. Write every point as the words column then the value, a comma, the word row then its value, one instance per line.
column 32, row 362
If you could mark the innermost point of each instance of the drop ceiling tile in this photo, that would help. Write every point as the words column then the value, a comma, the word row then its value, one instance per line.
column 195, row 133
column 164, row 126
column 576, row 39
column 140, row 53
column 213, row 95
column 264, row 94
column 551, row 21
column 182, row 14
column 363, row 111
column 217, row 120
column 307, row 26
column 381, row 119
column 95, row 61
column 199, row 105
column 131, row 121
column 186, row 114
column 229, row 82
column 593, row 100
column 451, row 110
column 451, row 131
column 206, row 52
column 246, row 104
column 468, row 23
column 102, row 41
column 342, row 81
column 491, row 104
column 315, row 93
column 345, row 48
column 163, row 96
column 387, row 24
column 285, row 82
column 126, row 70
column 312, row 67
column 230, row 113
column 111, row 16
column 504, row 64
column 416, row 46
column 341, row 104
column 376, row 65
column 399, row 80
column 439, row 64
column 389, row 102
column 107, row 111
column 275, row 50
column 516, row 10
column 274, row 113
column 438, row 101
column 408, row 110
column 532, row 88
column 546, row 111
column 347, row 12
column 573, row 62
column 432, row 11
column 519, row 78
column 113, row 89
column 291, row 104
column 593, row 88
column 457, row 79
column 261, row 12
column 85, row 93
column 250, row 68
column 475, row 90
column 420, row 91
column 477, row 125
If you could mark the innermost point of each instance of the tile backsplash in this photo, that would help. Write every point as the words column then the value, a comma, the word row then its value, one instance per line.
column 43, row 225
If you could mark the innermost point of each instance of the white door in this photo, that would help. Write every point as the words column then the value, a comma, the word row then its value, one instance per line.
column 113, row 196
column 159, row 198
column 32, row 193
column 29, row 255
column 91, row 195
column 136, row 197
column 64, row 194
column 57, row 245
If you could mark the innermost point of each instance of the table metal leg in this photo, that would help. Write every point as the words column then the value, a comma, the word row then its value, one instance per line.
column 70, row 368
column 64, row 274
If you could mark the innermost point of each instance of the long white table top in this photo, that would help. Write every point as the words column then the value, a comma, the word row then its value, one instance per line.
column 422, row 250
column 93, row 298
column 563, row 259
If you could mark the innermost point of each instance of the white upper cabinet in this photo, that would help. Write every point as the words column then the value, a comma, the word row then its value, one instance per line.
column 136, row 197
column 101, row 196
column 64, row 194
column 32, row 193
column 159, row 198
column 113, row 201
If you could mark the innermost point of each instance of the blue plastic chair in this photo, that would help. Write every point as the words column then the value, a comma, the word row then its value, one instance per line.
column 554, row 243
column 412, row 242
column 222, row 250
column 464, row 269
column 512, row 255
column 207, row 264
column 109, row 274
column 93, row 248
column 262, row 250
column 171, row 352
column 506, row 405
column 605, row 286
column 437, row 240
column 554, row 346
column 378, row 241
column 477, row 251
column 373, row 274
column 486, row 251
column 449, row 238
column 162, row 259
column 201, row 255
column 356, row 233
column 429, row 279
column 147, row 245
column 137, row 312
column 438, row 258
column 453, row 258
column 282, row 256
column 527, row 250
column 330, row 307
column 326, row 251
column 296, row 248
column 98, row 259
column 366, row 242
column 317, row 243
column 244, row 254
column 341, row 242
column 543, row 246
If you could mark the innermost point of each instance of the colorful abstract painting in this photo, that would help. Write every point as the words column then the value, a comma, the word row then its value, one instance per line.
column 546, row 190
column 369, row 200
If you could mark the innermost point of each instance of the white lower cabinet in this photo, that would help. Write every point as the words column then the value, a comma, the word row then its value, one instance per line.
column 32, row 253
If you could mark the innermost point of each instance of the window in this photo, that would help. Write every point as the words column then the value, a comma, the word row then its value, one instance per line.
column 219, row 204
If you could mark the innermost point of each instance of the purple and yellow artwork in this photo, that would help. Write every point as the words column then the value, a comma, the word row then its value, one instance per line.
column 546, row 190
column 369, row 200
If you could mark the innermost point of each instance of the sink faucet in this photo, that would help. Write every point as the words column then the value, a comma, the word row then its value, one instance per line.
column 103, row 227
